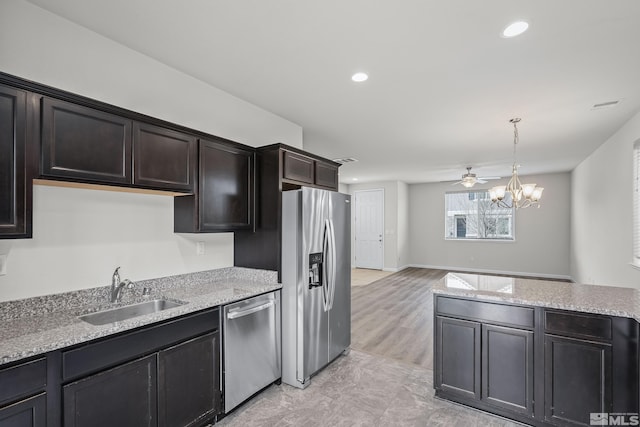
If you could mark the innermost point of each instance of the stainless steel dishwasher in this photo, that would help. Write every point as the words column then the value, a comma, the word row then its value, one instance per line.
column 251, row 340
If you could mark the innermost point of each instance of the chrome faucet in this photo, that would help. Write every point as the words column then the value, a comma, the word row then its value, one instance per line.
column 117, row 285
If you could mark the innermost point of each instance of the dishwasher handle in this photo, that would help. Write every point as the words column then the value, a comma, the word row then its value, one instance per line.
column 241, row 313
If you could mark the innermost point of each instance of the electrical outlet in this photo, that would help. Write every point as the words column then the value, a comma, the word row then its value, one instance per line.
column 3, row 265
column 200, row 248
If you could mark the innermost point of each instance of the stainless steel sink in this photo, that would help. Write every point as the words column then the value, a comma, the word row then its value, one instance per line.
column 129, row 311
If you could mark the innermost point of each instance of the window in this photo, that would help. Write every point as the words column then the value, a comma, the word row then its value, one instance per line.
column 636, row 204
column 472, row 215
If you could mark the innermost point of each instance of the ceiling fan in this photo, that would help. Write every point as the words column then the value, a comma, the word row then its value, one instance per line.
column 470, row 179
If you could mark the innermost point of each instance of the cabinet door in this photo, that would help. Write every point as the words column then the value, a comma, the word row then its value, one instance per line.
column 577, row 379
column 188, row 382
column 26, row 413
column 226, row 187
column 458, row 357
column 507, row 368
column 85, row 144
column 14, row 206
column 122, row 396
column 327, row 175
column 163, row 159
column 299, row 168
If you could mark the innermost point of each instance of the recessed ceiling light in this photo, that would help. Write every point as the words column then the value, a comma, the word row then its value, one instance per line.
column 359, row 77
column 355, row 179
column 515, row 29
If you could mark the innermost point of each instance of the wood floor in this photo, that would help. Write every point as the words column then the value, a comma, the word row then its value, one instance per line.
column 364, row 276
column 393, row 317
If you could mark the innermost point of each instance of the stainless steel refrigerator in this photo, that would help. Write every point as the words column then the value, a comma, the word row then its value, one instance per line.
column 316, row 281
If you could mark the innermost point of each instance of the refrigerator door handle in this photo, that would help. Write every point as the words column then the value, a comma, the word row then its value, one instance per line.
column 326, row 249
column 333, row 269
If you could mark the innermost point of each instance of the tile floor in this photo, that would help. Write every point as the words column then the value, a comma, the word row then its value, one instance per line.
column 364, row 389
column 359, row 389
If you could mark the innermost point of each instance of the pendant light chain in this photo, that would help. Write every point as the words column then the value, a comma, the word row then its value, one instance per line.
column 522, row 196
column 516, row 139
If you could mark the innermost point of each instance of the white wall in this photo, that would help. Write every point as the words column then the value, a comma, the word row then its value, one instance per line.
column 404, row 235
column 542, row 235
column 390, row 238
column 40, row 46
column 602, row 212
column 396, row 232
column 81, row 235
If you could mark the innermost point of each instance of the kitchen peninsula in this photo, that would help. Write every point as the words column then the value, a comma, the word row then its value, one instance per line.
column 536, row 351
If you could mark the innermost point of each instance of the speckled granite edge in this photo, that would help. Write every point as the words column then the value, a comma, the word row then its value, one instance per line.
column 607, row 300
column 45, row 330
column 45, row 304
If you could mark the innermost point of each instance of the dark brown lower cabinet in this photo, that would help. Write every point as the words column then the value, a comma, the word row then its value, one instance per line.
column 458, row 358
column 30, row 412
column 188, row 382
column 488, row 363
column 507, row 368
column 539, row 366
column 122, row 396
column 172, row 381
column 577, row 379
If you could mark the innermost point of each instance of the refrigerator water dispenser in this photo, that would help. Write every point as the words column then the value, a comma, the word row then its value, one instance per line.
column 315, row 270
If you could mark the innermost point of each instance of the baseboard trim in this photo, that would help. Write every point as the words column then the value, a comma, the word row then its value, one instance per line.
column 489, row 271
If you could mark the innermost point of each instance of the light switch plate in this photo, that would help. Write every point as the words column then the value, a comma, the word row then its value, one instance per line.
column 3, row 265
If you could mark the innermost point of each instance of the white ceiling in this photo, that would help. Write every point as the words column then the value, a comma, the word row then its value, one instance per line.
column 443, row 82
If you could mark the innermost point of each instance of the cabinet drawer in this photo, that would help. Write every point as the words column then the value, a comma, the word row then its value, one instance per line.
column 579, row 325
column 503, row 314
column 109, row 352
column 22, row 380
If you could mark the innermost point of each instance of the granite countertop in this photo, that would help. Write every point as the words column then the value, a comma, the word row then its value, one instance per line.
column 38, row 325
column 610, row 300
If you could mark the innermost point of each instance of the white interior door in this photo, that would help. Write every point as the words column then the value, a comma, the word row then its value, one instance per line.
column 369, row 228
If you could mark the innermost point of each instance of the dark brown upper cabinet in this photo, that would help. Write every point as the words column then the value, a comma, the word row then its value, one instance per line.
column 163, row 158
column 297, row 167
column 326, row 175
column 15, row 178
column 88, row 145
column 302, row 170
column 81, row 143
column 225, row 196
column 279, row 168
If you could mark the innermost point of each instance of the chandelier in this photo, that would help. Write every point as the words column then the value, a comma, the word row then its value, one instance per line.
column 522, row 195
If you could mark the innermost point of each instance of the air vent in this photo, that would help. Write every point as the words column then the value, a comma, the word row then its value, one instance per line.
column 344, row 160
column 603, row 105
